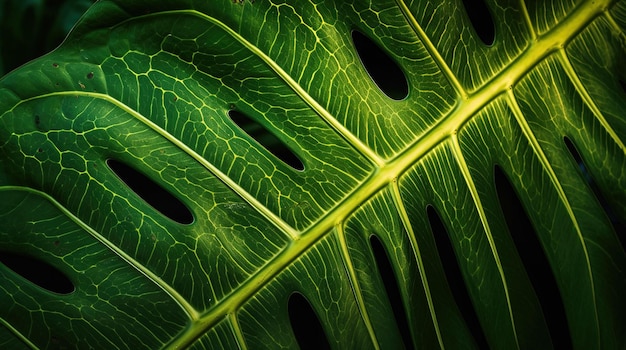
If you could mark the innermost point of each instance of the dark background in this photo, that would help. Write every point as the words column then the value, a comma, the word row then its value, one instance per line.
column 31, row 28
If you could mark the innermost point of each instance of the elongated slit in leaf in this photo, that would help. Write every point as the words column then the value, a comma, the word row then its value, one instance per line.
column 389, row 279
column 481, row 19
column 38, row 272
column 383, row 70
column 455, row 278
column 266, row 139
column 534, row 259
column 305, row 324
column 157, row 197
column 622, row 84
column 618, row 225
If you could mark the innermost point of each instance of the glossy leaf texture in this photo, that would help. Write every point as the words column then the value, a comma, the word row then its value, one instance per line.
column 307, row 187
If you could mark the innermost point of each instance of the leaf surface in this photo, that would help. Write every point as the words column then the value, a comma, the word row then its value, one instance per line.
column 153, row 85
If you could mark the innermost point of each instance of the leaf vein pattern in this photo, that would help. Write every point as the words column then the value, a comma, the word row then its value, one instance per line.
column 384, row 177
column 356, row 289
column 534, row 143
column 460, row 159
column 406, row 223
column 571, row 73
column 19, row 335
column 249, row 198
column 182, row 302
column 432, row 50
column 618, row 30
column 545, row 45
column 299, row 90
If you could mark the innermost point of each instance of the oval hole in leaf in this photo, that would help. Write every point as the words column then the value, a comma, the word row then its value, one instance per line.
column 534, row 259
column 305, row 324
column 388, row 277
column 455, row 278
column 157, row 197
column 383, row 70
column 622, row 84
column 618, row 225
column 38, row 272
column 481, row 19
column 266, row 139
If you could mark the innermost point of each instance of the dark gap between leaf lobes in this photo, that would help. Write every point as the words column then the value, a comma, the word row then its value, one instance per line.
column 305, row 324
column 38, row 272
column 383, row 70
column 455, row 278
column 618, row 225
column 534, row 259
column 156, row 196
column 390, row 281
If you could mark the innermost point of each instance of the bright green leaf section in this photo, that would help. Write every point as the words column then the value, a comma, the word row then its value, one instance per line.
column 150, row 84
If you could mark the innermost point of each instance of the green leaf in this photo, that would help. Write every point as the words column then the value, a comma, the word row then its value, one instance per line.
column 152, row 85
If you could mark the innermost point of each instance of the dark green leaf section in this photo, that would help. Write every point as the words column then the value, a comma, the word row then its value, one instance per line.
column 355, row 100
column 377, row 217
column 584, row 224
column 618, row 12
column 180, row 72
column 515, row 156
column 313, row 45
column 488, row 265
column 112, row 301
column 600, row 74
column 8, row 340
column 192, row 72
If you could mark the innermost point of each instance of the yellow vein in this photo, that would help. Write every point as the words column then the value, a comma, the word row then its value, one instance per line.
column 319, row 109
column 587, row 99
column 354, row 281
column 543, row 159
column 18, row 334
column 432, row 50
column 616, row 28
column 268, row 214
column 545, row 45
column 458, row 155
column 236, row 328
column 529, row 22
column 295, row 249
column 406, row 223
column 189, row 310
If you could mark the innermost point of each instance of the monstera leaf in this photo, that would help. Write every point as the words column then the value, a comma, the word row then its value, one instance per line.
column 466, row 190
